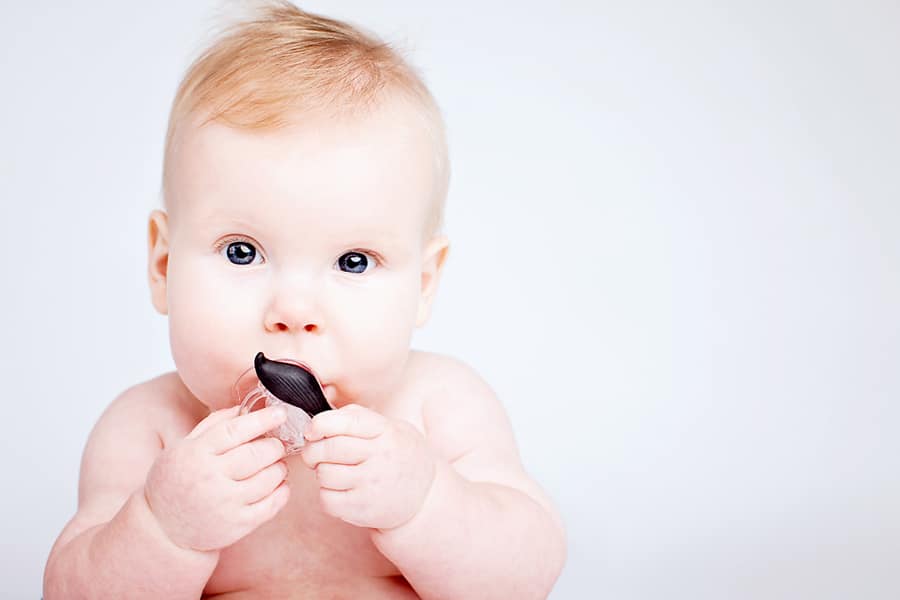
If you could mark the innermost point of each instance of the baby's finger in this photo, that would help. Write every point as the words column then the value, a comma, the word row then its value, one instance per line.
column 236, row 431
column 213, row 419
column 337, row 477
column 268, row 507
column 352, row 419
column 263, row 483
column 341, row 449
column 248, row 459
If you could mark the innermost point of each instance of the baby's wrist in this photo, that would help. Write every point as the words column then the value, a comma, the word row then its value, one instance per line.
column 159, row 531
column 424, row 505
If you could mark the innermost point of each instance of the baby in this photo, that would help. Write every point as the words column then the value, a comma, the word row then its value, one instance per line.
column 303, row 186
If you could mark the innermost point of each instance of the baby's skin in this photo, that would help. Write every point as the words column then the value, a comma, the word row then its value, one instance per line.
column 411, row 487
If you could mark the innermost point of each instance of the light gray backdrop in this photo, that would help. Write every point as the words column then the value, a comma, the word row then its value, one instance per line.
column 675, row 258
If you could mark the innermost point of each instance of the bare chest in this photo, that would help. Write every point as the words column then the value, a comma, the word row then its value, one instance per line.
column 307, row 551
column 301, row 544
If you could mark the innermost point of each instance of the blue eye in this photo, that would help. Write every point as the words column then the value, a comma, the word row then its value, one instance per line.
column 240, row 253
column 354, row 262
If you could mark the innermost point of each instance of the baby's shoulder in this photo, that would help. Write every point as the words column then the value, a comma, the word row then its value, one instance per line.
column 122, row 445
column 160, row 406
column 467, row 424
column 458, row 408
column 435, row 375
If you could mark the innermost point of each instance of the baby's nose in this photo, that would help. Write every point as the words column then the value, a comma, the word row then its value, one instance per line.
column 294, row 308
column 277, row 320
column 284, row 327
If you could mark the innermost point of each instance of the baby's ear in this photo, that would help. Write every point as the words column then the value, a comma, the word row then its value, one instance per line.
column 158, row 259
column 432, row 264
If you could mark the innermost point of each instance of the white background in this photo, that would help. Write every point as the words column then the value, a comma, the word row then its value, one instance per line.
column 675, row 257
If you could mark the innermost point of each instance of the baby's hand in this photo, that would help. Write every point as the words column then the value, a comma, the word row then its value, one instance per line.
column 372, row 471
column 219, row 483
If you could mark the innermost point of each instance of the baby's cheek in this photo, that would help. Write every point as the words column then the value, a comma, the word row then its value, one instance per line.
column 208, row 370
column 376, row 338
column 204, row 328
column 386, row 317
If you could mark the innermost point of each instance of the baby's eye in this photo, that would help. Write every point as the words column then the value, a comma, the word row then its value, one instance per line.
column 355, row 262
column 240, row 253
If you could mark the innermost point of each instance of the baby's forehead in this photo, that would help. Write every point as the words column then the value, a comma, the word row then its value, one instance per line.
column 295, row 202
column 364, row 176
column 387, row 139
column 389, row 124
column 288, row 222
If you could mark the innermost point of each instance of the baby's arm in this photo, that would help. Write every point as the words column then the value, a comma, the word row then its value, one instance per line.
column 158, row 535
column 113, row 546
column 485, row 529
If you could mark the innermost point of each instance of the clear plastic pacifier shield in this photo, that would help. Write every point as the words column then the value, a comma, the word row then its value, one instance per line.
column 252, row 395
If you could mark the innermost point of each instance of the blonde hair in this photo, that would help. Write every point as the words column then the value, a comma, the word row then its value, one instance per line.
column 281, row 61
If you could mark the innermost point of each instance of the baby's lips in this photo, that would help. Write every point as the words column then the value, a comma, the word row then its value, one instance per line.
column 291, row 383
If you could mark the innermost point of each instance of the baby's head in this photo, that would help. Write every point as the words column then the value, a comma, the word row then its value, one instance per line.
column 304, row 179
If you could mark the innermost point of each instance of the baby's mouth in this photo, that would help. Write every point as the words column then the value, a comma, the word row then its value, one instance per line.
column 291, row 383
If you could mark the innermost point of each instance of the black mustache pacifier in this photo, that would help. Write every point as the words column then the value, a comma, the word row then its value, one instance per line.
column 283, row 382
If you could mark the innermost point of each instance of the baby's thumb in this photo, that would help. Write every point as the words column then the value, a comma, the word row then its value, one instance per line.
column 213, row 419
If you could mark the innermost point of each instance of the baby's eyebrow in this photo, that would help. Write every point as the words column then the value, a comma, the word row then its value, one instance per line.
column 217, row 221
column 213, row 220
